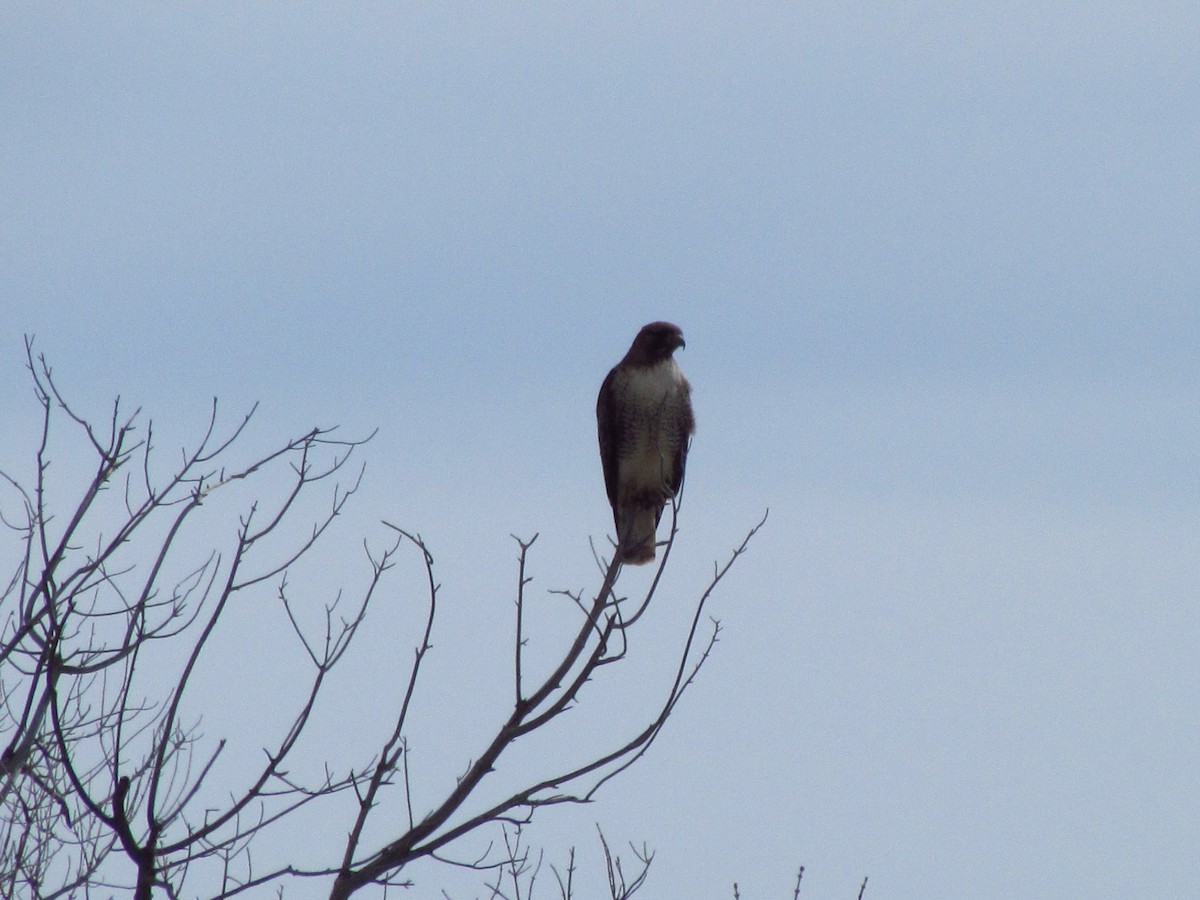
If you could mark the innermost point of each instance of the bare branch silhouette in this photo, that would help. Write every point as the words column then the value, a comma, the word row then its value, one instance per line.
column 123, row 584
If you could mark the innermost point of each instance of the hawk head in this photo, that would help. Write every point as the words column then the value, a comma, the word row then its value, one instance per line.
column 654, row 343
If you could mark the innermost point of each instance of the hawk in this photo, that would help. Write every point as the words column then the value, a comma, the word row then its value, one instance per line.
column 644, row 422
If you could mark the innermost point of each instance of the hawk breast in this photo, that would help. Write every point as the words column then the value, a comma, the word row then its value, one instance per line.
column 653, row 420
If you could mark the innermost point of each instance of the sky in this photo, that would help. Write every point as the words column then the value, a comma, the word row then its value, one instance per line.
column 937, row 269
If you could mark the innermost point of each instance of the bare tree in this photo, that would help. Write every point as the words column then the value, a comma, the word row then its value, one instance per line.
column 862, row 890
column 107, row 621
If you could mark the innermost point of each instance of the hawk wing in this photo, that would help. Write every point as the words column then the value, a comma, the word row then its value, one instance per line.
column 685, row 424
column 608, row 431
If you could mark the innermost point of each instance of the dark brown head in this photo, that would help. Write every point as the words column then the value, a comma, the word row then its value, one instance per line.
column 654, row 343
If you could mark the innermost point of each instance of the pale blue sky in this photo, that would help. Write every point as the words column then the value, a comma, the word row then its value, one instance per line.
column 937, row 266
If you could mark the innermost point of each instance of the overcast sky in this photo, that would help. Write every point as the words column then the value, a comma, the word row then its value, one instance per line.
column 937, row 266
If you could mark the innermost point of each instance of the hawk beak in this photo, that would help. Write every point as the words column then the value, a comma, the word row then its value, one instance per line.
column 682, row 344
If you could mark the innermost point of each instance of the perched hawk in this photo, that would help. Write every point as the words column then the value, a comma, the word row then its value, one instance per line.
column 644, row 420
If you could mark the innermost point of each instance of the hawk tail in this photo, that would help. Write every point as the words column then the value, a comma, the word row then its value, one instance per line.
column 636, row 534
